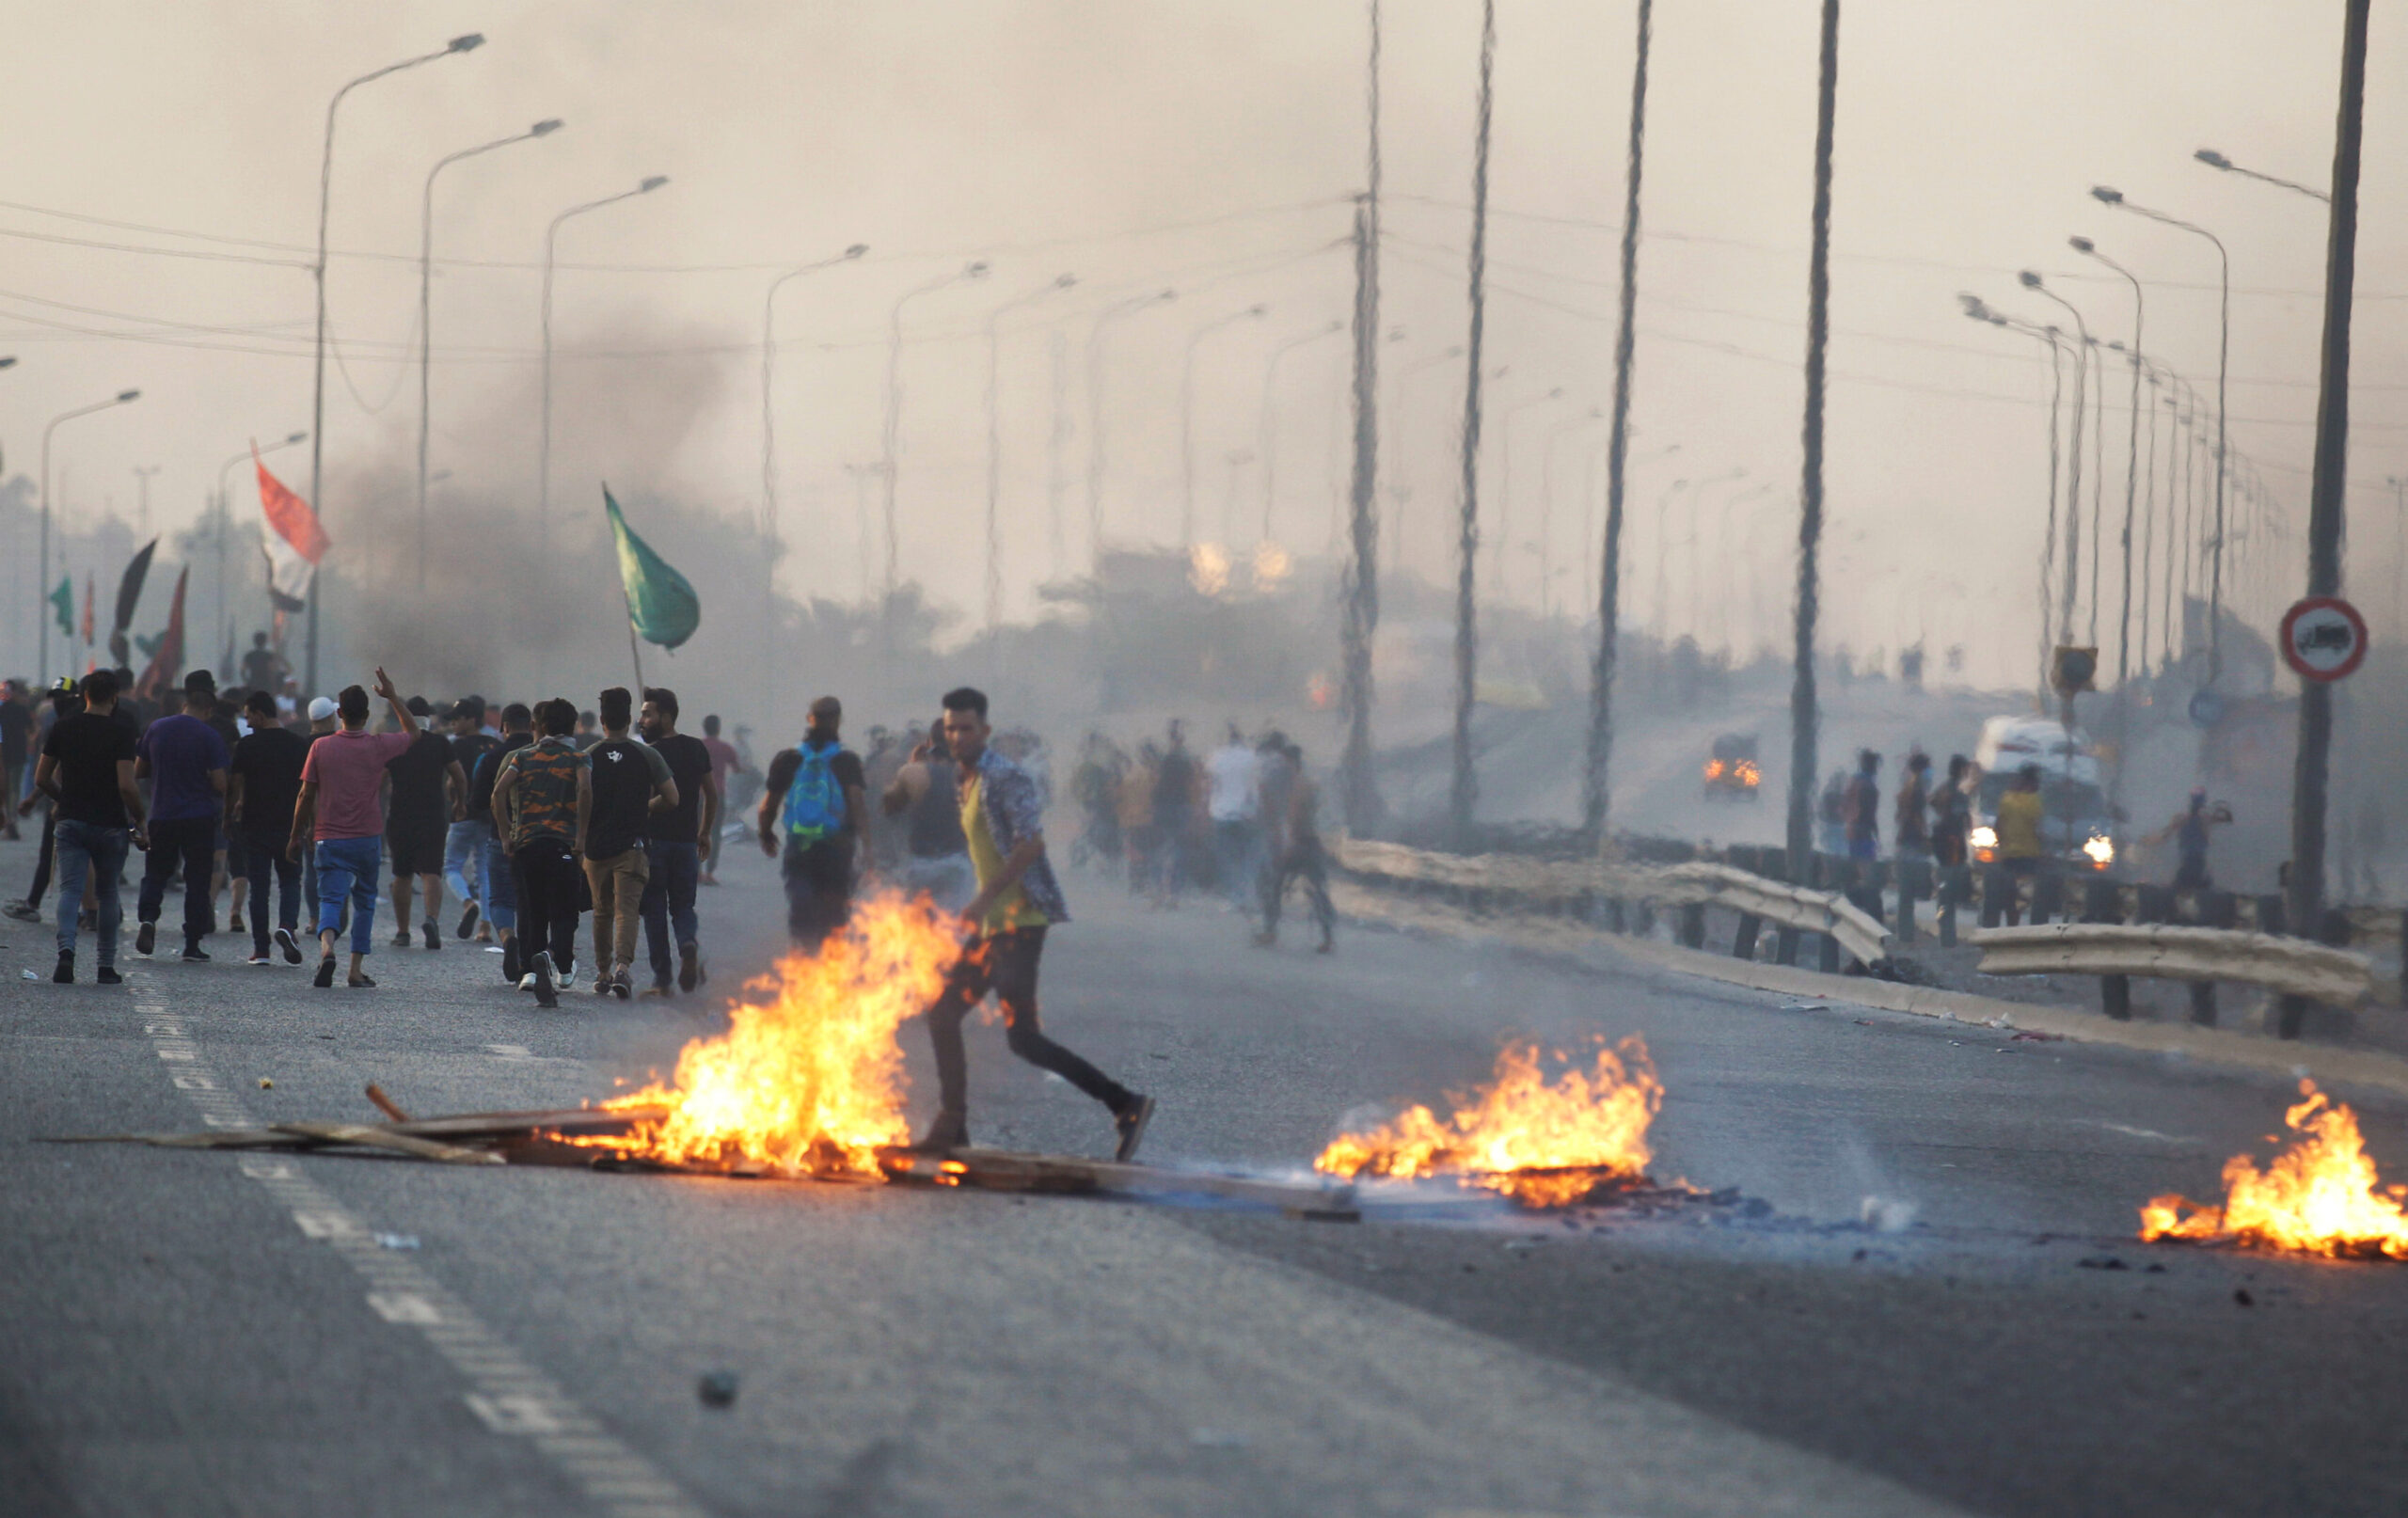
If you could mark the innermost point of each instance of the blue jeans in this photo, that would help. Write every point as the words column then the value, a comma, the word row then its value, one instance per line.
column 669, row 901
column 84, row 849
column 348, row 866
column 464, row 849
column 501, row 890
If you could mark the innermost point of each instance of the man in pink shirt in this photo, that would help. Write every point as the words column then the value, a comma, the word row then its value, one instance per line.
column 340, row 813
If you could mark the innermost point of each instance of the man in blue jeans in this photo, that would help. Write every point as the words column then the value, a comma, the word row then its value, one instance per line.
column 86, row 770
column 340, row 782
column 679, row 843
column 464, row 847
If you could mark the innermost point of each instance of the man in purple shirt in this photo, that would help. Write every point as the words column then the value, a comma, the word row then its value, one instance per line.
column 185, row 760
column 339, row 813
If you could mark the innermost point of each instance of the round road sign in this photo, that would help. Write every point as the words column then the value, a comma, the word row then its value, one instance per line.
column 2324, row 638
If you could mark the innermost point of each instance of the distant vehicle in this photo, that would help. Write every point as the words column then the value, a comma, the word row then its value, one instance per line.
column 2077, row 825
column 1731, row 773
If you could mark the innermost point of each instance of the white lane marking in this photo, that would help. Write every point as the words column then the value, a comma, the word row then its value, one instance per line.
column 510, row 1051
column 509, row 1396
column 2141, row 1132
column 403, row 1307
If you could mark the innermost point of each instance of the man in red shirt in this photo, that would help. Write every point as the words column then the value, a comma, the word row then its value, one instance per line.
column 339, row 811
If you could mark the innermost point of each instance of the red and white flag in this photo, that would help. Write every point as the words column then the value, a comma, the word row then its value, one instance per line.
column 296, row 542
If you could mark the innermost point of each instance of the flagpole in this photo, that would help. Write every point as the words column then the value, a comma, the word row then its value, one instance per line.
column 635, row 650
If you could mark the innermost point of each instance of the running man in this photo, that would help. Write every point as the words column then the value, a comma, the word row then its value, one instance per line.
column 1018, row 900
column 338, row 812
column 813, row 805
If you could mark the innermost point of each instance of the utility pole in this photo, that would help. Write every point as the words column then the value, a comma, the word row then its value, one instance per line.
column 142, row 473
column 1465, row 790
column 1802, row 715
column 2327, row 494
column 1362, row 577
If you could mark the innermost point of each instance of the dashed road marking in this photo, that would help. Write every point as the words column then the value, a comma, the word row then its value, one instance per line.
column 507, row 1395
column 510, row 1051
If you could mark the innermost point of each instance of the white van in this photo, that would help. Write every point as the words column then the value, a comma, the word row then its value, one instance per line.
column 2077, row 825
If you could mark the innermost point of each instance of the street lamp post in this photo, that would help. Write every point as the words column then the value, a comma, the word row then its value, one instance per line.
column 551, row 246
column 1187, row 418
column 467, row 42
column 768, row 380
column 995, row 445
column 41, row 572
column 1981, row 312
column 893, row 429
column 226, row 520
column 2216, row 160
column 1399, row 494
column 1095, row 413
column 1264, row 441
column 2131, row 473
column 426, row 304
column 2107, row 196
column 2031, row 281
column 1729, row 543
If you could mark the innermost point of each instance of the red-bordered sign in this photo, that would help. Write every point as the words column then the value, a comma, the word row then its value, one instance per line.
column 2324, row 638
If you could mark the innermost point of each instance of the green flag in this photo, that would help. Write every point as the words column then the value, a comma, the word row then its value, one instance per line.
column 661, row 604
column 63, row 599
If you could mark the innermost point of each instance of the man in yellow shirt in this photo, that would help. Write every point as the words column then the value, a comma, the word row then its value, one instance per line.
column 1018, row 900
column 2018, row 833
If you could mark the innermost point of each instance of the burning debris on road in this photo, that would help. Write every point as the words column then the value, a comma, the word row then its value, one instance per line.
column 1580, row 1136
column 2319, row 1196
column 808, row 1079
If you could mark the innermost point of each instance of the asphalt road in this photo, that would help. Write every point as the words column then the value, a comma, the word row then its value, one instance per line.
column 207, row 1332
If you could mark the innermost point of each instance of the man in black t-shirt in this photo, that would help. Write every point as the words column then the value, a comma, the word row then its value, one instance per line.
column 463, row 846
column 631, row 785
column 262, row 785
column 818, row 823
column 679, row 844
column 87, row 769
column 429, row 794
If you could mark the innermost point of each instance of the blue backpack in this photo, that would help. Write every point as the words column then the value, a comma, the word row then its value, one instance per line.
column 815, row 805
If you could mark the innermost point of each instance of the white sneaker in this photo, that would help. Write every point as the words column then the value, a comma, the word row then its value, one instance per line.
column 568, row 978
column 258, row 959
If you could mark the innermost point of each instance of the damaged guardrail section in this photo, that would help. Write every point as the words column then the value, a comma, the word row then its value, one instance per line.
column 2202, row 956
column 1566, row 886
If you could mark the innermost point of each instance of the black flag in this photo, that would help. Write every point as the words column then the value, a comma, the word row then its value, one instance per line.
column 129, row 594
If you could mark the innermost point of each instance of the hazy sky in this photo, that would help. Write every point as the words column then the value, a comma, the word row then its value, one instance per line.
column 1208, row 147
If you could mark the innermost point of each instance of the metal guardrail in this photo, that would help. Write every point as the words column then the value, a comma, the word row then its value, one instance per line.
column 1561, row 881
column 2286, row 966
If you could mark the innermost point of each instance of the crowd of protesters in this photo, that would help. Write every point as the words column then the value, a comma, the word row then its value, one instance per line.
column 526, row 817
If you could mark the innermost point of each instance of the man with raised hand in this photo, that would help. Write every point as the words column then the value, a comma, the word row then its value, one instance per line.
column 338, row 813
column 1018, row 900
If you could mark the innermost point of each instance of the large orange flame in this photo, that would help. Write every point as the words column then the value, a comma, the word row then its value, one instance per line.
column 2319, row 1196
column 1544, row 1143
column 808, row 1078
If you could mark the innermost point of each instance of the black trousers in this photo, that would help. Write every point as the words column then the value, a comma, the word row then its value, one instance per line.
column 819, row 890
column 1006, row 965
column 264, row 861
column 193, row 842
column 549, row 882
